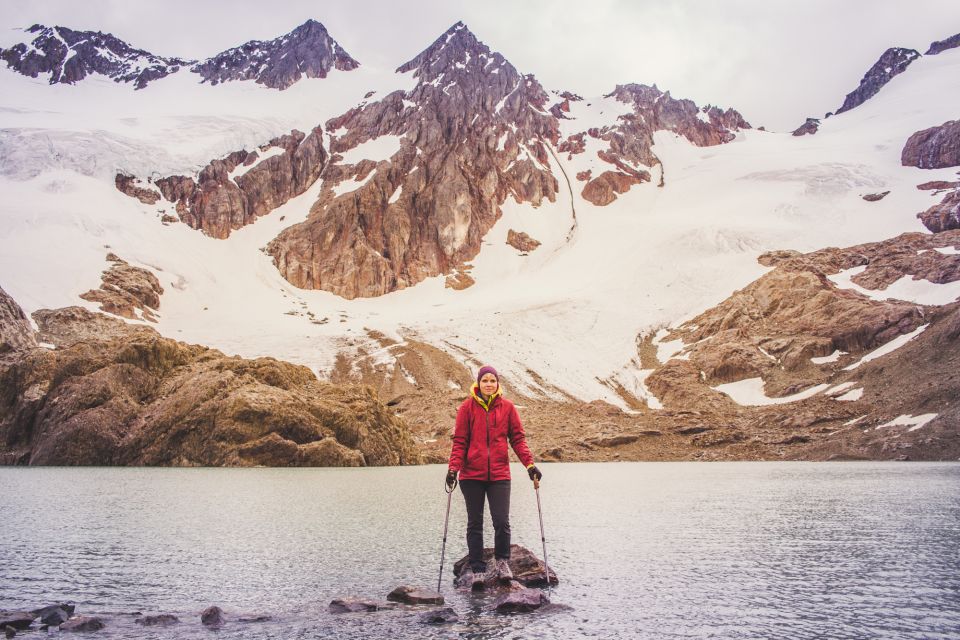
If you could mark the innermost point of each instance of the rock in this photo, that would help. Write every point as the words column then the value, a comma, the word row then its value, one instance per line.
column 937, row 185
column 602, row 190
column 526, row 567
column 522, row 601
column 943, row 216
column 307, row 51
column 521, row 241
column 69, row 56
column 439, row 616
column 83, row 623
column 54, row 615
column 130, row 185
column 254, row 619
column 939, row 46
column 16, row 333
column 874, row 197
column 893, row 62
column 355, row 605
column 127, row 291
column 119, row 394
column 934, row 148
column 162, row 620
column 217, row 204
column 414, row 595
column 213, row 617
column 459, row 281
column 17, row 619
column 811, row 126
column 9, row 631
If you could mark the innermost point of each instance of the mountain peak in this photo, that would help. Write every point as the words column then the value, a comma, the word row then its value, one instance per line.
column 457, row 48
column 307, row 51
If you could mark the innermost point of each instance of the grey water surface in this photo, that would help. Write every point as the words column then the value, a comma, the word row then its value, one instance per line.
column 643, row 550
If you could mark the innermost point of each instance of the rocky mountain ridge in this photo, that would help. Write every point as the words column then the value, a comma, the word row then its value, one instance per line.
column 70, row 56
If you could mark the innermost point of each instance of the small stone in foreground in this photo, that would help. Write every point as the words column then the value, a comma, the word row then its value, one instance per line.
column 522, row 601
column 162, row 620
column 439, row 616
column 212, row 616
column 16, row 619
column 83, row 623
column 355, row 605
column 414, row 595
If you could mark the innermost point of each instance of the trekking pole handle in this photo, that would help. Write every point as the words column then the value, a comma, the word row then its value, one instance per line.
column 451, row 488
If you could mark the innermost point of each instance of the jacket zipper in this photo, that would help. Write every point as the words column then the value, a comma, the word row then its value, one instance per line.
column 487, row 416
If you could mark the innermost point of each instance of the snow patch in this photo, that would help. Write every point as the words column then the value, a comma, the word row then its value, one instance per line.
column 377, row 149
column 833, row 357
column 906, row 288
column 907, row 420
column 750, row 393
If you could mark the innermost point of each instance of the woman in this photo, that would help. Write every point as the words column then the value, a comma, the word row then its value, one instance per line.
column 486, row 422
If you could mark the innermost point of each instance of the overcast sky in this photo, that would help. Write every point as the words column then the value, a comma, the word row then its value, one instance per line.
column 776, row 61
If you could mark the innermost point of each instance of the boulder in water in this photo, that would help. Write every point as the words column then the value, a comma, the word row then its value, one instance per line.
column 414, row 595
column 162, row 620
column 213, row 616
column 17, row 619
column 55, row 615
column 522, row 601
column 526, row 567
column 83, row 623
column 439, row 616
column 355, row 605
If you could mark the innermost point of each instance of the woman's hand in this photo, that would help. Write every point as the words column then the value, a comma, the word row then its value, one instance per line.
column 451, row 478
column 534, row 473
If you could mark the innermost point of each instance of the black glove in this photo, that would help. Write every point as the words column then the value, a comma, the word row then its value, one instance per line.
column 534, row 473
column 451, row 478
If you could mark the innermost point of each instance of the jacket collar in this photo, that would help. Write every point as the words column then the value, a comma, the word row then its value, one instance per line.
column 475, row 393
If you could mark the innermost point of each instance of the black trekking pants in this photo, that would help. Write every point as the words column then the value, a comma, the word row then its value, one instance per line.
column 498, row 495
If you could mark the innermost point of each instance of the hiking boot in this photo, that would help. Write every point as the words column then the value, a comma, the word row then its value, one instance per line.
column 492, row 572
column 478, row 580
column 503, row 570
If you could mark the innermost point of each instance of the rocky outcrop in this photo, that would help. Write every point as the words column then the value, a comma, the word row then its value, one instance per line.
column 119, row 394
column 875, row 197
column 471, row 133
column 629, row 139
column 306, row 51
column 933, row 148
column 810, row 127
column 527, row 568
column 414, row 595
column 892, row 63
column 939, row 46
column 70, row 56
column 16, row 333
column 130, row 185
column 234, row 191
column 521, row 241
column 944, row 215
column 127, row 291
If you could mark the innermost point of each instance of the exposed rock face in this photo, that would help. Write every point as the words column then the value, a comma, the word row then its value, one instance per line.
column 234, row 191
column 130, row 185
column 933, row 148
column 893, row 62
column 16, row 333
column 69, row 56
column 119, row 394
column 307, row 51
column 811, row 126
column 630, row 138
column 521, row 241
column 940, row 46
column 943, row 216
column 131, row 292
column 472, row 132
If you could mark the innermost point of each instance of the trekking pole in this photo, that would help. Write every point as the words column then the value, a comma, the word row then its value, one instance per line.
column 443, row 550
column 546, row 569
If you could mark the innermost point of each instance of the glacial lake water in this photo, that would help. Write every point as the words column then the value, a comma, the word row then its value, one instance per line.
column 643, row 550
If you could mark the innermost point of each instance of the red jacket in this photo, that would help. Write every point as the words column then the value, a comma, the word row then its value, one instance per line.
column 480, row 439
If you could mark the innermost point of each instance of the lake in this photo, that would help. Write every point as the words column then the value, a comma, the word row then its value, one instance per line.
column 643, row 550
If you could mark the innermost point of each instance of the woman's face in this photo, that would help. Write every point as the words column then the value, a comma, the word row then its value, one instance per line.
column 488, row 384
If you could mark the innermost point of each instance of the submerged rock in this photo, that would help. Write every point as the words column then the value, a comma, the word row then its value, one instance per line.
column 162, row 620
column 249, row 619
column 83, row 623
column 355, row 605
column 439, row 616
column 9, row 631
column 522, row 601
column 414, row 595
column 213, row 617
column 16, row 619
